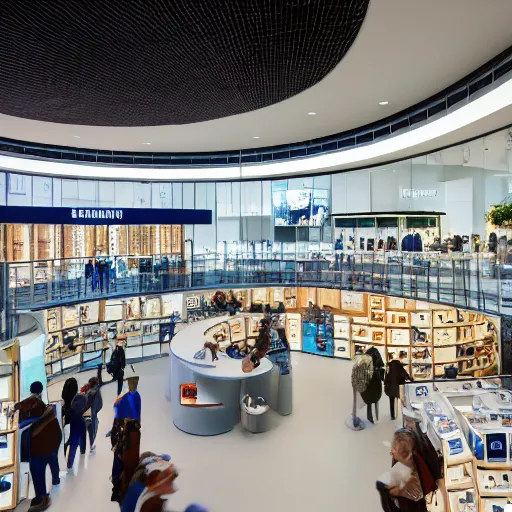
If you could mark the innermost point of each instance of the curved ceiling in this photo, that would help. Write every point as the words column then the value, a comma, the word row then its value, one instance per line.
column 406, row 51
column 163, row 62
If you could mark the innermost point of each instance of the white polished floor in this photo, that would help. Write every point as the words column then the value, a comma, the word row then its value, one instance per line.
column 308, row 462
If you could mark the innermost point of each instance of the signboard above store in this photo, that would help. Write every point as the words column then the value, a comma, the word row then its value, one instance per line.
column 102, row 216
column 414, row 193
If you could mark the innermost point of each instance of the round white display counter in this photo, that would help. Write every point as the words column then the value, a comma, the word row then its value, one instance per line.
column 205, row 395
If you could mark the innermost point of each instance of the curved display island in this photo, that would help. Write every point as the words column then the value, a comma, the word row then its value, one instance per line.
column 205, row 395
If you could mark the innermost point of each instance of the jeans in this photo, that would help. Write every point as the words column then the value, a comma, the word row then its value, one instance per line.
column 281, row 359
column 77, row 438
column 92, row 429
column 38, row 472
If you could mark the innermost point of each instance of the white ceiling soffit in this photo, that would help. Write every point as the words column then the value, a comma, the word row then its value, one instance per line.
column 489, row 112
column 406, row 51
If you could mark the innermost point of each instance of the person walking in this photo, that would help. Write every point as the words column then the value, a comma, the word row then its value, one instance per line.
column 125, row 438
column 95, row 400
column 69, row 390
column 77, row 431
column 117, row 364
column 43, row 438
column 396, row 376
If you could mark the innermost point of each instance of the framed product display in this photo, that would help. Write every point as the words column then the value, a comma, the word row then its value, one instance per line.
column 89, row 312
column 342, row 327
column 172, row 304
column 399, row 337
column 445, row 336
column 398, row 318
column 277, row 295
column 294, row 331
column 152, row 307
column 290, row 298
column 259, row 295
column 253, row 325
column 114, row 310
column 306, row 296
column 237, row 329
column 132, row 309
column 395, row 303
column 70, row 316
column 53, row 319
column 353, row 302
column 166, row 332
column 421, row 319
column 328, row 298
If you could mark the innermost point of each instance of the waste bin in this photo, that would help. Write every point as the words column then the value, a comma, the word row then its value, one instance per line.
column 255, row 414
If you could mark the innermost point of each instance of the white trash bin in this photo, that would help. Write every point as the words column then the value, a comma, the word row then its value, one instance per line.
column 255, row 414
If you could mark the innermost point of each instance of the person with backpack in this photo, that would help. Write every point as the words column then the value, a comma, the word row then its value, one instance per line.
column 94, row 398
column 40, row 443
column 396, row 376
column 117, row 364
column 77, row 431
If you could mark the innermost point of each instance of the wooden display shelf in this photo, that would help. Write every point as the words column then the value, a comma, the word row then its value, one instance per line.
column 459, row 324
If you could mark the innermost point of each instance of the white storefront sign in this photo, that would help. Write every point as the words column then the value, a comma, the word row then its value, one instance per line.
column 414, row 193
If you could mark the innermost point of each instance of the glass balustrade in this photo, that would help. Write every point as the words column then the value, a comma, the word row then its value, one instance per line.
column 463, row 279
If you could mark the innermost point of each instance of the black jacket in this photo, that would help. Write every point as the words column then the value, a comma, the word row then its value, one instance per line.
column 374, row 390
column 395, row 377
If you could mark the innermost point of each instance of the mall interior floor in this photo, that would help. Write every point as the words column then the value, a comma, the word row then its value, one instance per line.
column 309, row 461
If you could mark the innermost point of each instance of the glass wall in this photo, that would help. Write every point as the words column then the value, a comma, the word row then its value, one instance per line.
column 24, row 242
column 460, row 182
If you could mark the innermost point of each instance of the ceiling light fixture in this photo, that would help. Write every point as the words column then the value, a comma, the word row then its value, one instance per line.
column 147, row 143
column 311, row 113
column 256, row 137
column 76, row 136
column 383, row 103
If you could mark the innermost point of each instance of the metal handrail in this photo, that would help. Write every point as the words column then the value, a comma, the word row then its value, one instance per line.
column 470, row 282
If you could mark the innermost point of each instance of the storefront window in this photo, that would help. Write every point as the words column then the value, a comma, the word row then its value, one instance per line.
column 43, row 241
column 18, row 242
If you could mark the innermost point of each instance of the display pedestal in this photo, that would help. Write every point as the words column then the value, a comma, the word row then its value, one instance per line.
column 205, row 395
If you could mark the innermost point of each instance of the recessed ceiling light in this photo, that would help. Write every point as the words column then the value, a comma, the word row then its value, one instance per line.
column 147, row 143
column 383, row 103
column 256, row 137
column 311, row 113
column 76, row 136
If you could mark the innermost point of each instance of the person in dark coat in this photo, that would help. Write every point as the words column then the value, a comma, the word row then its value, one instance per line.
column 373, row 392
column 45, row 437
column 395, row 377
column 69, row 390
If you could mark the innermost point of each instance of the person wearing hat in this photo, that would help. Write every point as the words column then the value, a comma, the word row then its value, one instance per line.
column 125, row 437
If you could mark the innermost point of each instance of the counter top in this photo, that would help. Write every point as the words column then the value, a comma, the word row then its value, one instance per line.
column 191, row 339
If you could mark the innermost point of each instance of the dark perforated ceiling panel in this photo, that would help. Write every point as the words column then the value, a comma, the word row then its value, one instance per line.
column 154, row 62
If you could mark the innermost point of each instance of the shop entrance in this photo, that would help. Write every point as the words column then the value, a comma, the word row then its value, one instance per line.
column 26, row 242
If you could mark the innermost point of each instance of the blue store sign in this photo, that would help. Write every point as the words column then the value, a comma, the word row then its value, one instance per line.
column 102, row 216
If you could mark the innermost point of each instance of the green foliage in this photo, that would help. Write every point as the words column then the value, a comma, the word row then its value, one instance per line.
column 501, row 215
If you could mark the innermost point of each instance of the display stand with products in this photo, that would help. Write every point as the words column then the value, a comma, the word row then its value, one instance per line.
column 82, row 336
column 426, row 337
column 470, row 423
column 205, row 392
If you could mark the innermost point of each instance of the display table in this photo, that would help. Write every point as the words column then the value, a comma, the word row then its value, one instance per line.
column 205, row 395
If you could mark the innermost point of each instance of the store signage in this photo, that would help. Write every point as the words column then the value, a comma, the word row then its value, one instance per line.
column 193, row 302
column 102, row 216
column 414, row 193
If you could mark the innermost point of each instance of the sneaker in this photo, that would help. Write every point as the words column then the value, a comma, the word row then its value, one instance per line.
column 93, row 449
column 39, row 504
